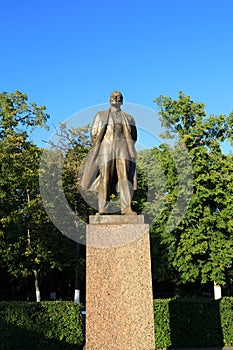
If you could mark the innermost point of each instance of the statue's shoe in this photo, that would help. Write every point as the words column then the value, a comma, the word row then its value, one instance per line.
column 128, row 211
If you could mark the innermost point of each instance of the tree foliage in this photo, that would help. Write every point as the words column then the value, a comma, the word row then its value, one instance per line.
column 190, row 211
column 29, row 243
column 17, row 115
column 199, row 248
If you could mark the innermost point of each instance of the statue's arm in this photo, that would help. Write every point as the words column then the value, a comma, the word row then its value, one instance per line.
column 133, row 128
column 95, row 129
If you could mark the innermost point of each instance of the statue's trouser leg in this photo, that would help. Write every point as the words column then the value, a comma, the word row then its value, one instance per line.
column 106, row 173
column 125, row 187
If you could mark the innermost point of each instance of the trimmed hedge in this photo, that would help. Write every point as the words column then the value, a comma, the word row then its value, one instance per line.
column 36, row 326
column 193, row 322
column 58, row 325
column 226, row 312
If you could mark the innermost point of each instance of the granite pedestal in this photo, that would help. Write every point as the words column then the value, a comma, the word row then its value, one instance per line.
column 119, row 302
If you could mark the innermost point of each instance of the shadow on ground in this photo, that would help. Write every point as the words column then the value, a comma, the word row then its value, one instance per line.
column 23, row 339
column 195, row 324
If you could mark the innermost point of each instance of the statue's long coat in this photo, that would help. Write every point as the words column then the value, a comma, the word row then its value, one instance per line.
column 90, row 177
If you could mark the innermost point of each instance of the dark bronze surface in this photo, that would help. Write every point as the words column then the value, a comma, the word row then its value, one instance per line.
column 111, row 164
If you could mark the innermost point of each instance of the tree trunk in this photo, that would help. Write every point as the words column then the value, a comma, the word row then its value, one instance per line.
column 217, row 291
column 76, row 289
column 37, row 288
column 36, row 274
column 77, row 283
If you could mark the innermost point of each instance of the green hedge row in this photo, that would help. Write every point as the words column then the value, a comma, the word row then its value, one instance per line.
column 58, row 325
column 45, row 325
column 193, row 322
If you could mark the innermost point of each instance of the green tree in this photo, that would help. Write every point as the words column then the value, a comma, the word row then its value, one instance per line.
column 29, row 243
column 160, row 184
column 66, row 205
column 199, row 248
column 18, row 115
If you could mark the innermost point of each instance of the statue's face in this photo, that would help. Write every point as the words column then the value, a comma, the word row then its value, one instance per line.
column 116, row 98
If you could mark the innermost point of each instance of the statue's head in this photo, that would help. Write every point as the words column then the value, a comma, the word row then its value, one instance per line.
column 116, row 98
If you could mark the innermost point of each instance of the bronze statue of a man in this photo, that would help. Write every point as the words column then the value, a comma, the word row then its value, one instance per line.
column 111, row 165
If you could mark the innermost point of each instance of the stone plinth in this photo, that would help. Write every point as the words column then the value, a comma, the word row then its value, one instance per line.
column 119, row 302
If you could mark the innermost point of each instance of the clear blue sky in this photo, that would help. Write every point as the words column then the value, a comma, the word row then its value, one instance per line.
column 69, row 55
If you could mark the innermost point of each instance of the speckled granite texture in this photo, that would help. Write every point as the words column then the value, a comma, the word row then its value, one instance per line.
column 119, row 303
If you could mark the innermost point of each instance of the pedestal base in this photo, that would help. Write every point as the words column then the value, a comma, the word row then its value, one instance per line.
column 119, row 302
